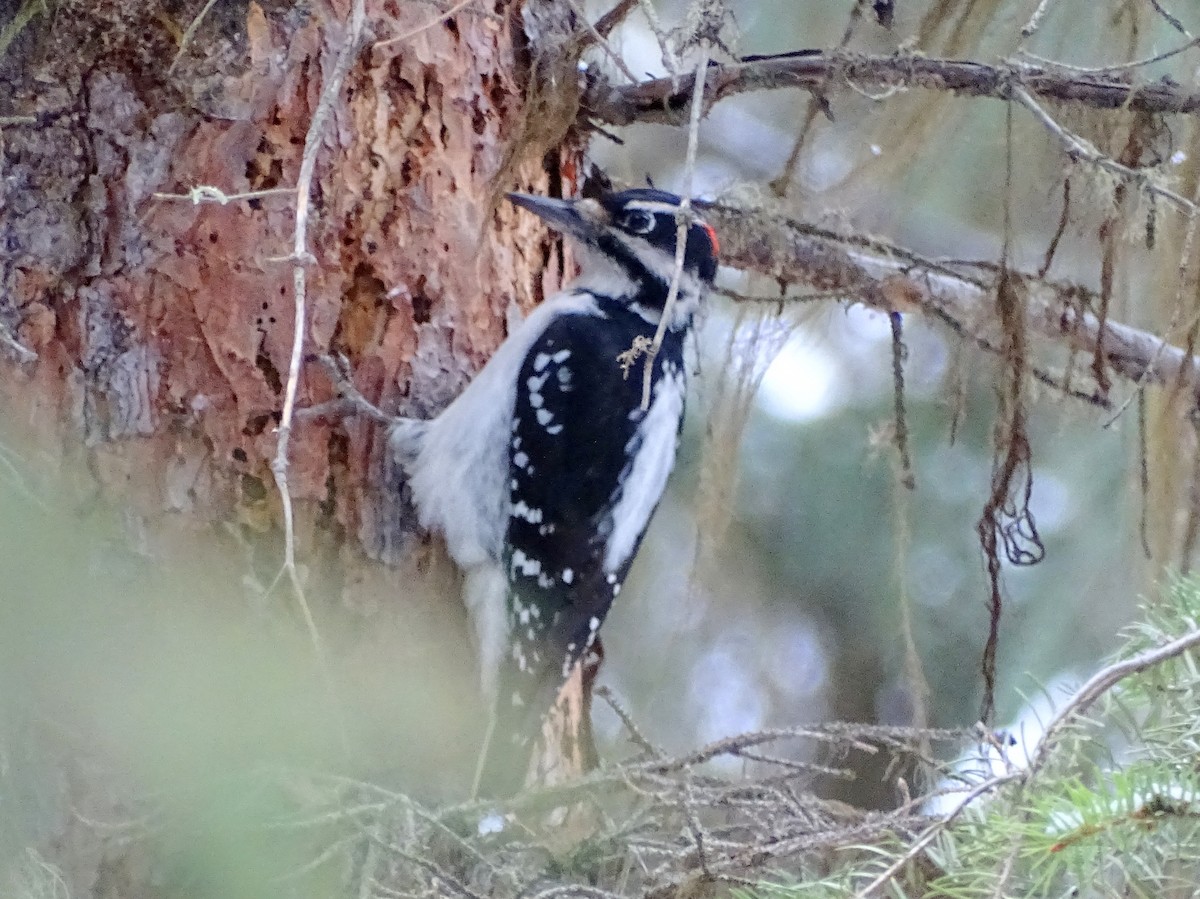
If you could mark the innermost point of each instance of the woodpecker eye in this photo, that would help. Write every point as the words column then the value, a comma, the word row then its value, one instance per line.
column 637, row 221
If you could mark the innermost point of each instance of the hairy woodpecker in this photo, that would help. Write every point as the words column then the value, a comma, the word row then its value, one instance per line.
column 544, row 473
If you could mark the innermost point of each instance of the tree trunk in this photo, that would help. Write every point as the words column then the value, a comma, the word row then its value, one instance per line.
column 147, row 338
column 163, row 329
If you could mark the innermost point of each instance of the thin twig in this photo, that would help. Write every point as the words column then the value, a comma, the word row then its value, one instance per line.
column 23, row 354
column 1116, row 67
column 432, row 23
column 1103, row 681
column 207, row 193
column 817, row 103
column 1079, row 149
column 848, row 736
column 339, row 376
column 660, row 36
column 1006, row 869
column 190, row 33
column 1170, row 19
column 1143, row 477
column 930, row 833
column 683, row 220
column 301, row 257
column 1035, row 20
column 438, row 877
column 366, row 873
column 812, row 296
column 576, row 891
column 635, row 733
column 793, row 765
column 602, row 42
column 16, row 480
column 331, row 851
column 693, row 823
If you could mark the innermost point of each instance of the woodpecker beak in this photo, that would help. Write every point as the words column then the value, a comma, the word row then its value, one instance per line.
column 579, row 218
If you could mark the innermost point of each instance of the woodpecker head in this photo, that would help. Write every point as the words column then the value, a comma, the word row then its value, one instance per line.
column 627, row 243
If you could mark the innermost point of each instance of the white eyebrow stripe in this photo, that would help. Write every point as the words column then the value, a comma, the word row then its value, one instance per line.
column 657, row 206
column 652, row 206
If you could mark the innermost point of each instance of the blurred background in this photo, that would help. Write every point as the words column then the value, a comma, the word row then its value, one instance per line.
column 801, row 614
column 807, row 584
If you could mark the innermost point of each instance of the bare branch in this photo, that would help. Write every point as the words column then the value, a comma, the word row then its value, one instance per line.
column 844, row 736
column 893, row 279
column 614, row 17
column 1035, row 20
column 601, row 41
column 1079, row 149
column 667, row 100
column 350, row 397
column 300, row 257
column 1170, row 18
column 930, row 833
column 207, row 193
column 441, row 880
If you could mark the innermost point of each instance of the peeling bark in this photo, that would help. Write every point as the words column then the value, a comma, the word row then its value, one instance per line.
column 163, row 328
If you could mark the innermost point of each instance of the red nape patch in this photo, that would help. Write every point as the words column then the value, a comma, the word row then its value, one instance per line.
column 712, row 236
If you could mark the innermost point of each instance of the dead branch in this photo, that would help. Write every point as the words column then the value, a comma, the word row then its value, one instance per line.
column 611, row 19
column 667, row 100
column 300, row 258
column 895, row 280
column 663, row 826
column 1078, row 148
column 653, row 773
column 930, row 833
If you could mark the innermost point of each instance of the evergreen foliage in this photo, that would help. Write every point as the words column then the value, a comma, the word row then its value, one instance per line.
column 1106, row 805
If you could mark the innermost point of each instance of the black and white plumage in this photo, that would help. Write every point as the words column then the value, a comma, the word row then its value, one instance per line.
column 544, row 473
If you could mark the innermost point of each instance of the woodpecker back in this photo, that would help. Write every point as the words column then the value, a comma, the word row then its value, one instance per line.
column 545, row 472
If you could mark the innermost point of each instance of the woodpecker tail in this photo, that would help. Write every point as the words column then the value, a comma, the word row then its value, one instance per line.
column 485, row 591
column 546, row 739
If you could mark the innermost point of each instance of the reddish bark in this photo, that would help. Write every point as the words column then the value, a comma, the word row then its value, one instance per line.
column 163, row 329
